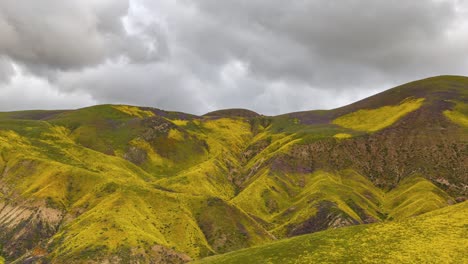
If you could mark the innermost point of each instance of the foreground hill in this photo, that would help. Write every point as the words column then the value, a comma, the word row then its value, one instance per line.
column 121, row 183
column 440, row 236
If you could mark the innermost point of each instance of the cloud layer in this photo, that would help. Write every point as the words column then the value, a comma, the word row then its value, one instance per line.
column 197, row 56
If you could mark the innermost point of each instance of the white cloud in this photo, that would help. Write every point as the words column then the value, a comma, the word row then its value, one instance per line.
column 25, row 91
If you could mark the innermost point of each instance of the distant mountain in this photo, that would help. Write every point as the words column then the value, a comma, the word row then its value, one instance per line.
column 127, row 184
column 233, row 113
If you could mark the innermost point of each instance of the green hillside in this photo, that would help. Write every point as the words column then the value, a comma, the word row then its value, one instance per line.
column 440, row 236
column 125, row 184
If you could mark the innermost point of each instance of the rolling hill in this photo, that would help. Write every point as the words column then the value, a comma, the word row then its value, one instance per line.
column 440, row 236
column 127, row 184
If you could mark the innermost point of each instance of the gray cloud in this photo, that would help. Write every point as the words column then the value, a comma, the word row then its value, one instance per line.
column 333, row 43
column 6, row 70
column 197, row 56
column 70, row 35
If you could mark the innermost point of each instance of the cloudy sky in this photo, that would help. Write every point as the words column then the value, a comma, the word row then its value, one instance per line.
column 271, row 56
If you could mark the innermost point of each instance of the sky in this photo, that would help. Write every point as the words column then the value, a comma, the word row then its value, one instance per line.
column 196, row 56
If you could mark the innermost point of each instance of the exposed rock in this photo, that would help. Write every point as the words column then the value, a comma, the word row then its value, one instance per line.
column 328, row 216
column 135, row 155
column 25, row 226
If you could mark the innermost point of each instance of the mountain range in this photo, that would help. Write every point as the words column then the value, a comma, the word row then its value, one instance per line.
column 384, row 179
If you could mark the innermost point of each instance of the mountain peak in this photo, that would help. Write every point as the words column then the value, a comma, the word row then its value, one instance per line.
column 435, row 90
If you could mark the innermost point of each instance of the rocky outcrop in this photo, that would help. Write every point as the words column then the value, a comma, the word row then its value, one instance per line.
column 27, row 226
column 328, row 216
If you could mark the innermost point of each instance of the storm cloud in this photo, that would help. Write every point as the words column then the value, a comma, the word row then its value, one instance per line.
column 196, row 56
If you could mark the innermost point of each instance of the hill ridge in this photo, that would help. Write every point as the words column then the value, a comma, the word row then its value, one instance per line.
column 440, row 78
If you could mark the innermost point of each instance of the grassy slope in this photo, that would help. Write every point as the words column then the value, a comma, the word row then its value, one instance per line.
column 157, row 177
column 120, row 206
column 440, row 236
column 459, row 114
column 432, row 89
column 371, row 120
column 287, row 200
column 119, row 198
column 74, row 179
column 414, row 196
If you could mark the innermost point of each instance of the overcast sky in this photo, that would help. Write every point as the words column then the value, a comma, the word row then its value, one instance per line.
column 271, row 56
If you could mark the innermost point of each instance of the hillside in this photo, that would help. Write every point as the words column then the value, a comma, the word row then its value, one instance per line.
column 440, row 236
column 122, row 183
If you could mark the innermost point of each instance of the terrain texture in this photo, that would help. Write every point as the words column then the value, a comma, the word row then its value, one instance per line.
column 127, row 184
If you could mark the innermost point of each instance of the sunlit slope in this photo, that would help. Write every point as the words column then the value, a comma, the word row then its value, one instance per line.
column 147, row 138
column 440, row 236
column 414, row 196
column 294, row 204
column 89, row 204
column 371, row 120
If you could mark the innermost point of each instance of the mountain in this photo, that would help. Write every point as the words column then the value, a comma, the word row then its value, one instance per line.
column 127, row 184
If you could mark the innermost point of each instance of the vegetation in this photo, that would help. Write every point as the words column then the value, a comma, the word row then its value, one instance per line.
column 414, row 196
column 342, row 136
column 459, row 114
column 436, row 237
column 116, row 183
column 134, row 111
column 371, row 120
